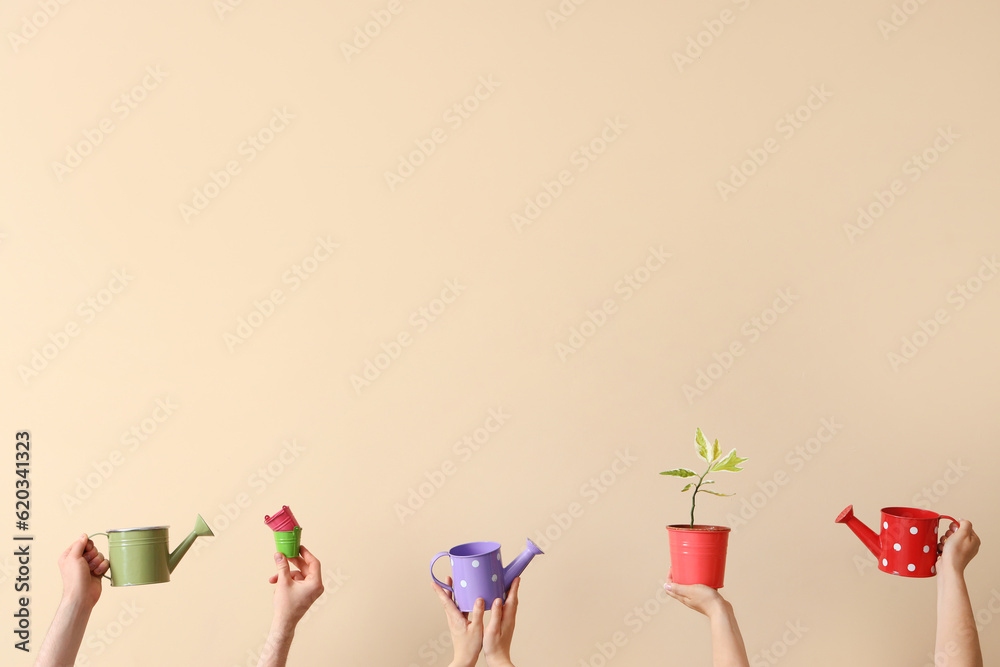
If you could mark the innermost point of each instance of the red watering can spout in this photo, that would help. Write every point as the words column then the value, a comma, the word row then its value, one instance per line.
column 866, row 534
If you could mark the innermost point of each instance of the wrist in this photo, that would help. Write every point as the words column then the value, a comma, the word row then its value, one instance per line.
column 77, row 606
column 283, row 626
column 948, row 572
column 719, row 609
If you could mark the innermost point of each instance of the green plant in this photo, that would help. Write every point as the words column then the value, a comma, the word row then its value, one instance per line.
column 716, row 463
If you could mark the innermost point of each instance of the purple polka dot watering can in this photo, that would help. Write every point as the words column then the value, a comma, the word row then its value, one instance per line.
column 478, row 572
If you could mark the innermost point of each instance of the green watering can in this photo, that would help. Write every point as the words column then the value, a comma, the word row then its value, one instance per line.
column 142, row 555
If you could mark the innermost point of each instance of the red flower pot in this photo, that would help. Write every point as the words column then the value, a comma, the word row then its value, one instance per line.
column 698, row 554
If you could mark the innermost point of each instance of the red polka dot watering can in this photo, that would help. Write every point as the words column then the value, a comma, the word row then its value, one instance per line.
column 908, row 542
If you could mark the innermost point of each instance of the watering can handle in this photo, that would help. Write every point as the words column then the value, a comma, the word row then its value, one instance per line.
column 440, row 583
column 106, row 575
column 951, row 520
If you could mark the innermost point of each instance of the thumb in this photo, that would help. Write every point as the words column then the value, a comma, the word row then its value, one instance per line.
column 284, row 576
column 676, row 591
column 77, row 548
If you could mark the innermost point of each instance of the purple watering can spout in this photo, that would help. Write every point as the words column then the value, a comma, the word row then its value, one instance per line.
column 866, row 534
column 516, row 566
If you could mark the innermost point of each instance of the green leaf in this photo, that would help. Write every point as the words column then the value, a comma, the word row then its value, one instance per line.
column 716, row 493
column 680, row 472
column 687, row 487
column 699, row 438
column 729, row 464
column 716, row 452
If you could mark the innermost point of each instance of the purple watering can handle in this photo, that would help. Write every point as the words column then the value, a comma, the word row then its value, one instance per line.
column 440, row 583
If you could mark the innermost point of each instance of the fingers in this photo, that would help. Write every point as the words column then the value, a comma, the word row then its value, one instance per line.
column 962, row 528
column 91, row 554
column 311, row 567
column 476, row 617
column 676, row 591
column 455, row 617
column 103, row 565
column 496, row 618
column 97, row 561
column 508, row 613
column 273, row 579
column 308, row 556
column 282, row 563
column 442, row 594
column 512, row 595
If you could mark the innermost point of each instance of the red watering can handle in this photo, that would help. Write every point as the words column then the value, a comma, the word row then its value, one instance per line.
column 951, row 520
column 440, row 583
column 107, row 574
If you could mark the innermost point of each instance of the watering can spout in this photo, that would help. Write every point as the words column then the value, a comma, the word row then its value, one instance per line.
column 201, row 529
column 866, row 534
column 516, row 566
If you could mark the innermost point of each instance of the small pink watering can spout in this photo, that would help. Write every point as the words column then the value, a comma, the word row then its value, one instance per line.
column 516, row 566
column 866, row 534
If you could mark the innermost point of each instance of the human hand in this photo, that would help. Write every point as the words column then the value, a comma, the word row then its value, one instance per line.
column 296, row 589
column 82, row 566
column 703, row 599
column 466, row 630
column 499, row 632
column 958, row 546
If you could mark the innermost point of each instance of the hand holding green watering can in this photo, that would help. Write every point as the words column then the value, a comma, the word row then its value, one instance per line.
column 140, row 556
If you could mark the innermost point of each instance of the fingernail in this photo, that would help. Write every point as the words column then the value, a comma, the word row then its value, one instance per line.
column 666, row 587
column 278, row 557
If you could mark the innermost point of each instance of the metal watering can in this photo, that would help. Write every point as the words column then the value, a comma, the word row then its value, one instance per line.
column 141, row 556
column 907, row 545
column 477, row 572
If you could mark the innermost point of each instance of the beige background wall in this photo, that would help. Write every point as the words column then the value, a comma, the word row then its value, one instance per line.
column 357, row 451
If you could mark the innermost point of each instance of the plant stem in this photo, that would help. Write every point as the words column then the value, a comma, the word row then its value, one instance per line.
column 695, row 494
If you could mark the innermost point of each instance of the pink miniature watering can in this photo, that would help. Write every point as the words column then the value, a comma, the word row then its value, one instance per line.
column 908, row 542
column 283, row 520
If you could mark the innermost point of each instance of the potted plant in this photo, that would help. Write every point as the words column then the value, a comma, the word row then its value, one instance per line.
column 698, row 552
